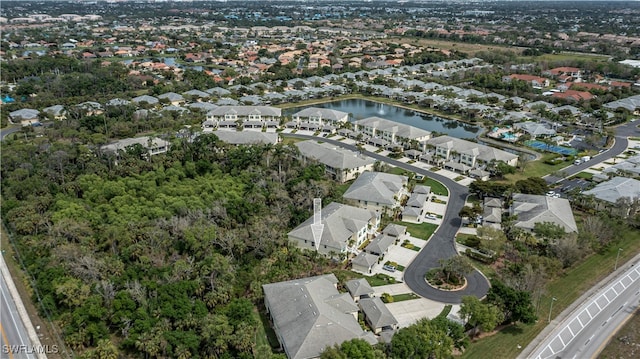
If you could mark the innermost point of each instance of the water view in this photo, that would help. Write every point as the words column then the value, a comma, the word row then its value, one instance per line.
column 360, row 109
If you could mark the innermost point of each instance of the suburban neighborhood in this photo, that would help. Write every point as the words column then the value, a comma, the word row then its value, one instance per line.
column 319, row 179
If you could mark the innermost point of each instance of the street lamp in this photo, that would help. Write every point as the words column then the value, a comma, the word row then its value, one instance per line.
column 617, row 257
column 551, row 308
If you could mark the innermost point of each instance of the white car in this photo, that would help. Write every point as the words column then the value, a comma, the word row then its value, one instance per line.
column 431, row 216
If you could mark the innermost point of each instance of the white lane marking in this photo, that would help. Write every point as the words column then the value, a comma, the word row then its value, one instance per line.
column 15, row 323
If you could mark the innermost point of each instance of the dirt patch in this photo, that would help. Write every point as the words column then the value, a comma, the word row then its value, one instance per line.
column 626, row 342
column 46, row 333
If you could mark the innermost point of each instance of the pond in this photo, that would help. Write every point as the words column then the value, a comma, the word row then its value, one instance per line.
column 359, row 109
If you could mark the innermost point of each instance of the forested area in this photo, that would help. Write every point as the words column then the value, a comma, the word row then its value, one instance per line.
column 159, row 257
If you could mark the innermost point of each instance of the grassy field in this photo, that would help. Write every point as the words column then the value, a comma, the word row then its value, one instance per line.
column 626, row 342
column 569, row 56
column 537, row 169
column 422, row 230
column 458, row 46
column 291, row 140
column 566, row 288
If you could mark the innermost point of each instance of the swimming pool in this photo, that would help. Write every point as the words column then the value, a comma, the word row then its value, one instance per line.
column 551, row 148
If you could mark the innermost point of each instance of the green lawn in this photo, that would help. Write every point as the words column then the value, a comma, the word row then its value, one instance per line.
column 565, row 56
column 291, row 140
column 403, row 297
column 380, row 279
column 537, row 169
column 585, row 175
column 566, row 288
column 436, row 187
column 422, row 230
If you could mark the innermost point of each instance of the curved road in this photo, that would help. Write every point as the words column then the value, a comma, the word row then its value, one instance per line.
column 629, row 129
column 441, row 244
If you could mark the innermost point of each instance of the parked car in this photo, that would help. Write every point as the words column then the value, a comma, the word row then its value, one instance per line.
column 389, row 268
column 430, row 216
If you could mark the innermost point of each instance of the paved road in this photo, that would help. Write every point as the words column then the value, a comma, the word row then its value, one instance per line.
column 4, row 132
column 441, row 245
column 585, row 331
column 12, row 329
column 629, row 129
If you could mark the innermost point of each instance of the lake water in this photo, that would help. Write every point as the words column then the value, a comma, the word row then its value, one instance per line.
column 360, row 109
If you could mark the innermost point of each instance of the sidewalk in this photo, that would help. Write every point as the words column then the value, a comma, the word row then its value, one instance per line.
column 562, row 317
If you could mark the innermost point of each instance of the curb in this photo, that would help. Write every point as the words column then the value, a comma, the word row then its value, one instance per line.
column 22, row 311
column 533, row 345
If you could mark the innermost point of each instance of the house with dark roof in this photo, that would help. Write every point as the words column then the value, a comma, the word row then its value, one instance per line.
column 309, row 314
column 377, row 315
column 531, row 209
column 377, row 191
column 342, row 164
column 342, row 226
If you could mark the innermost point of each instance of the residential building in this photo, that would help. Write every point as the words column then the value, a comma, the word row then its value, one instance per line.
column 344, row 165
column 535, row 81
column 245, row 113
column 321, row 116
column 616, row 195
column 364, row 262
column 530, row 209
column 377, row 315
column 414, row 208
column 309, row 314
column 247, row 137
column 153, row 145
column 390, row 131
column 471, row 154
column 377, row 191
column 25, row 116
column 57, row 112
column 380, row 244
column 359, row 289
column 342, row 226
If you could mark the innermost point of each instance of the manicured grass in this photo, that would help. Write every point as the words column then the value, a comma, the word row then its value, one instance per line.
column 291, row 140
column 436, row 187
column 463, row 237
column 400, row 268
column 422, row 230
column 403, row 297
column 537, row 169
column 398, row 171
column 565, row 56
column 566, row 289
column 585, row 175
column 380, row 279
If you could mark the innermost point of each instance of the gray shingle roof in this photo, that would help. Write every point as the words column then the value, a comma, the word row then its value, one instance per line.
column 616, row 188
column 247, row 137
column 340, row 223
column 380, row 244
column 377, row 187
column 247, row 110
column 332, row 156
column 145, row 98
column 323, row 113
column 485, row 153
column 377, row 312
column 24, row 114
column 309, row 314
column 365, row 259
column 359, row 287
column 400, row 129
column 532, row 209
column 395, row 230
